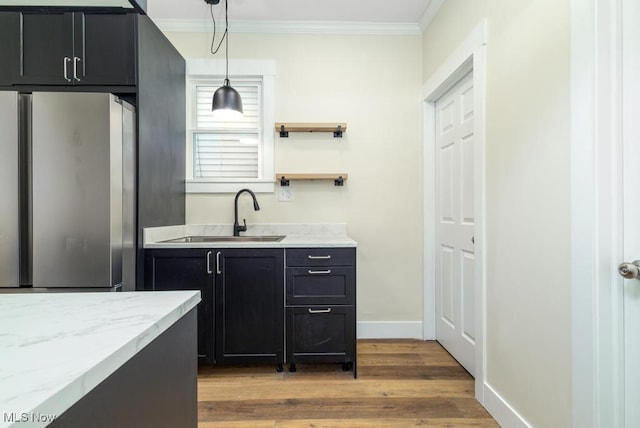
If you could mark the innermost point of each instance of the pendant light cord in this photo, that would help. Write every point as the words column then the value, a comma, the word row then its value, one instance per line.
column 225, row 37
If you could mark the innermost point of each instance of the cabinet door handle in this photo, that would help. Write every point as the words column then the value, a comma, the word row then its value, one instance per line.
column 218, row 271
column 65, row 61
column 209, row 262
column 319, row 257
column 320, row 272
column 319, row 311
column 76, row 60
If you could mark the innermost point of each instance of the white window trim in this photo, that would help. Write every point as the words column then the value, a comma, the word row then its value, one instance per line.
column 199, row 69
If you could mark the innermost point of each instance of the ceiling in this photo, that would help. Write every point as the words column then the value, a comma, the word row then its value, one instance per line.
column 383, row 11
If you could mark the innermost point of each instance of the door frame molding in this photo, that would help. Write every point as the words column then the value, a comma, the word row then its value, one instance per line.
column 468, row 56
column 596, row 214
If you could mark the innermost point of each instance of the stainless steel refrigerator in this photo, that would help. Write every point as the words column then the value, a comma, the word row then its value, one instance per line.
column 67, row 200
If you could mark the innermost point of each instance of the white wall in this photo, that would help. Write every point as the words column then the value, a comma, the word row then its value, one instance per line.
column 528, row 312
column 372, row 83
column 377, row 81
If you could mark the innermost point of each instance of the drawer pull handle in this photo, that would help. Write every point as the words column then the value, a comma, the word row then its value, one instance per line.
column 319, row 257
column 320, row 272
column 320, row 311
column 209, row 262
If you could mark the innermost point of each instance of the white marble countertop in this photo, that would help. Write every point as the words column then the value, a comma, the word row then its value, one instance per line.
column 54, row 348
column 296, row 236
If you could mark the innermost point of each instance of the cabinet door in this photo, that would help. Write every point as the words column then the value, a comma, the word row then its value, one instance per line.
column 186, row 269
column 46, row 49
column 64, row 48
column 250, row 305
column 104, row 49
column 320, row 334
column 9, row 37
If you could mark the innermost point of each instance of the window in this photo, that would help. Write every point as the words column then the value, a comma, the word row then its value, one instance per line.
column 227, row 156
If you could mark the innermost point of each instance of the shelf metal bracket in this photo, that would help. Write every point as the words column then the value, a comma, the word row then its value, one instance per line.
column 284, row 181
column 338, row 132
column 339, row 181
column 283, row 132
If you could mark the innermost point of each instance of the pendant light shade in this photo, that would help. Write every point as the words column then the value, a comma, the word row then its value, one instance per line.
column 227, row 104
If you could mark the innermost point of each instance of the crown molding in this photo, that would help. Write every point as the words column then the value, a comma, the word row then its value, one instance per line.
column 430, row 13
column 292, row 27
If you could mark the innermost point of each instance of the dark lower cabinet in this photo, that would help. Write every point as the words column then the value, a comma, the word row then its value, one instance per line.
column 320, row 334
column 187, row 269
column 320, row 306
column 156, row 388
column 249, row 306
column 246, row 298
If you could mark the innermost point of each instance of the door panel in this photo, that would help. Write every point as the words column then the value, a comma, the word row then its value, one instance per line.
column 104, row 44
column 455, row 264
column 447, row 286
column 186, row 269
column 9, row 221
column 631, row 204
column 447, row 183
column 468, row 207
column 9, row 34
column 46, row 45
column 71, row 190
column 249, row 305
column 468, row 295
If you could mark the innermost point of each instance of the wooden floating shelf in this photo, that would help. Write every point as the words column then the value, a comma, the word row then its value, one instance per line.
column 338, row 178
column 285, row 127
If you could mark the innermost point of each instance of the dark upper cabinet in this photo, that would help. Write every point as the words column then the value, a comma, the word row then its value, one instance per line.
column 74, row 48
column 106, row 46
column 9, row 28
column 187, row 269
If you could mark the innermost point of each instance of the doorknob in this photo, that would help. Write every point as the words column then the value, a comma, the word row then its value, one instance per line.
column 630, row 270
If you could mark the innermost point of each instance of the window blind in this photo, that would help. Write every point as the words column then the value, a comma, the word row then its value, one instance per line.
column 227, row 149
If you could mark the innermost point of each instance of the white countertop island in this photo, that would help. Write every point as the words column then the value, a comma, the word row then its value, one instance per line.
column 55, row 348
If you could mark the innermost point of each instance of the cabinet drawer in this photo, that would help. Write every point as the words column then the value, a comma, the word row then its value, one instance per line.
column 320, row 286
column 321, row 257
column 321, row 334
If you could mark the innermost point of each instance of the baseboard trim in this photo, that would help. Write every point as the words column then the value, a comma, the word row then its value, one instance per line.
column 501, row 411
column 389, row 330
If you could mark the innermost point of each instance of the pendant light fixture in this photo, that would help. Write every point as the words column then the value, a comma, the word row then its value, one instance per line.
column 227, row 103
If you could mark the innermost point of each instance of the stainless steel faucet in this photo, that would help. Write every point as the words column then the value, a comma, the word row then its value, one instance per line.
column 236, row 227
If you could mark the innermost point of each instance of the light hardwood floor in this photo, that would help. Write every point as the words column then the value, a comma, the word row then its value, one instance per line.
column 400, row 383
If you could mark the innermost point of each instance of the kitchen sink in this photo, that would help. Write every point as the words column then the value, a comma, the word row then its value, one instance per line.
column 187, row 239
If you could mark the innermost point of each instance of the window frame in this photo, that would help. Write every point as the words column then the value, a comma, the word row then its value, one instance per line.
column 203, row 70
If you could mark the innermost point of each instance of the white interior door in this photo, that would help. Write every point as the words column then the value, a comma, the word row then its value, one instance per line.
column 454, row 192
column 631, row 203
